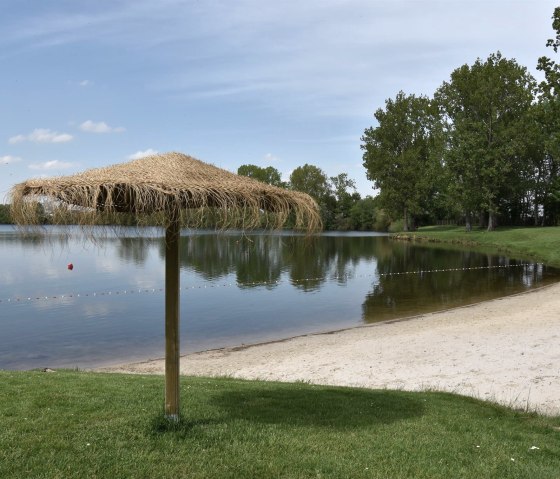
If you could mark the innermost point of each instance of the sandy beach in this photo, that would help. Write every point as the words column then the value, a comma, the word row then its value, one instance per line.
column 506, row 350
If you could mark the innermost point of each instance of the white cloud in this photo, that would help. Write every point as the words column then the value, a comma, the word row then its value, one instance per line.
column 142, row 154
column 17, row 139
column 42, row 135
column 51, row 165
column 100, row 127
column 85, row 83
column 7, row 159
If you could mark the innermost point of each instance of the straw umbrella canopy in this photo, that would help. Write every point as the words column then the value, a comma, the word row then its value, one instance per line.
column 162, row 189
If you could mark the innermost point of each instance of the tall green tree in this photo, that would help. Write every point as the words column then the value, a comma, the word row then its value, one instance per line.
column 485, row 106
column 344, row 190
column 269, row 175
column 540, row 170
column 401, row 154
column 312, row 180
column 549, row 103
column 550, row 86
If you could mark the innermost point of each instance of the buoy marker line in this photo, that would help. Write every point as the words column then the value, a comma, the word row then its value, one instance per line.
column 30, row 298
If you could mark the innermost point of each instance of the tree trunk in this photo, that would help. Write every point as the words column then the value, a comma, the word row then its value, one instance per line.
column 492, row 220
column 468, row 225
column 482, row 219
column 405, row 220
column 536, row 212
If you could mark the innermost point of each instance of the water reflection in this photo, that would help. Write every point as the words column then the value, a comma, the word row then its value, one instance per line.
column 256, row 259
column 262, row 259
column 282, row 285
column 135, row 250
column 467, row 277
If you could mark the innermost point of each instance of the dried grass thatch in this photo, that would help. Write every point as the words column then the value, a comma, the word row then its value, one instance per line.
column 162, row 187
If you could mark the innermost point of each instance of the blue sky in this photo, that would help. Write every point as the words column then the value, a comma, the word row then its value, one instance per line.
column 274, row 83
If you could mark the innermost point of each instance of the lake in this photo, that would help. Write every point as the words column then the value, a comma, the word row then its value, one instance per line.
column 235, row 289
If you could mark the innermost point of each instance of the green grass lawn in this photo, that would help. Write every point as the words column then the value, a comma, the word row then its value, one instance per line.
column 86, row 425
column 540, row 244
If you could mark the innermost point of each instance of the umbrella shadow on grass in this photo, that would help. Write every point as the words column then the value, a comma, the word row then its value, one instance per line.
column 160, row 425
column 339, row 408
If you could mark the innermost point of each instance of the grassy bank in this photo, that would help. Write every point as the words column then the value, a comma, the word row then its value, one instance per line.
column 72, row 424
column 539, row 244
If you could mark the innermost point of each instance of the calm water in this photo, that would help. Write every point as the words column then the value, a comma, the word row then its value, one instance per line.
column 235, row 289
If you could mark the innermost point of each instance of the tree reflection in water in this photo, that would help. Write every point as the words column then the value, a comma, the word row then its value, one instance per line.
column 259, row 259
column 308, row 263
column 395, row 296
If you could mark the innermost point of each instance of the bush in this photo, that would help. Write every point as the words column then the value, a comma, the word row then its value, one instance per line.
column 5, row 217
column 396, row 226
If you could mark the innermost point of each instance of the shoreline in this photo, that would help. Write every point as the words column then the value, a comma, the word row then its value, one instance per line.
column 504, row 350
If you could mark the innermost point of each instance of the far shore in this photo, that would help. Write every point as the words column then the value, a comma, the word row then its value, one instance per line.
column 505, row 350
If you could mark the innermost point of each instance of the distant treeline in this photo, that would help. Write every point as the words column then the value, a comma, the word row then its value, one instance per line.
column 5, row 217
column 342, row 207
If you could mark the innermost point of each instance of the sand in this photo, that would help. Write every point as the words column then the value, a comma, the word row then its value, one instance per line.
column 506, row 350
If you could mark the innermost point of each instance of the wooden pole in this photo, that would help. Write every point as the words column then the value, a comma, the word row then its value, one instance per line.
column 172, row 237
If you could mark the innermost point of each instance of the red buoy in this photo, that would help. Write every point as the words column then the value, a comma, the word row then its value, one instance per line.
column 70, row 266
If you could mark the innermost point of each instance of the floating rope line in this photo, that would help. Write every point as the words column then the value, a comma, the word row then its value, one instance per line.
column 30, row 298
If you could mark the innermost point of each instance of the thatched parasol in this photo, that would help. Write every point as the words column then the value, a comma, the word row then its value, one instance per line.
column 164, row 187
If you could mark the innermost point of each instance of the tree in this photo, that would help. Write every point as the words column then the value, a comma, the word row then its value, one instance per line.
column 5, row 217
column 537, row 178
column 549, row 101
column 344, row 190
column 485, row 106
column 401, row 154
column 550, row 86
column 313, row 181
column 269, row 175
column 366, row 216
